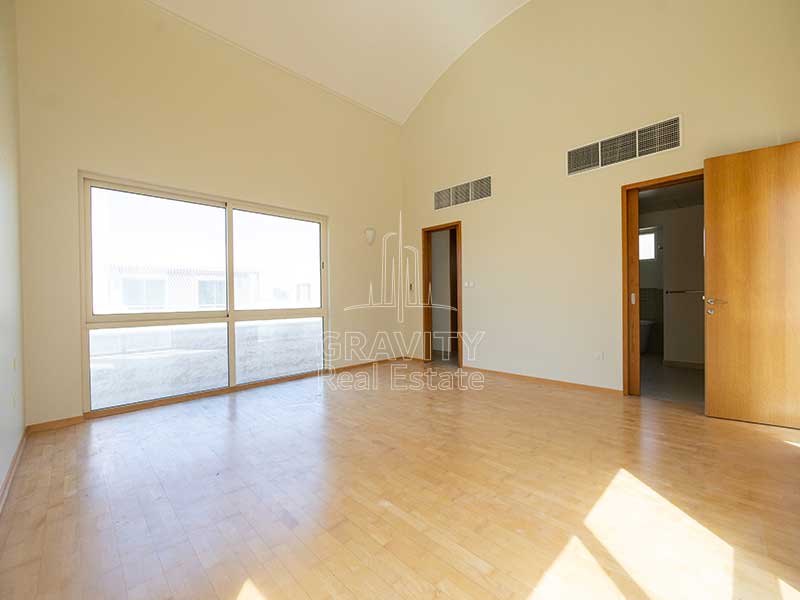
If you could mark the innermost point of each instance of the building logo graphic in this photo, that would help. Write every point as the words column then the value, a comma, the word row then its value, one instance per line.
column 401, row 278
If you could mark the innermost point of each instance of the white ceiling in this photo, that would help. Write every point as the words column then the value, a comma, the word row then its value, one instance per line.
column 384, row 55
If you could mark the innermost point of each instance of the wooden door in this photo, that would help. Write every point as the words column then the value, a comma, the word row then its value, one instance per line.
column 752, row 322
column 630, row 228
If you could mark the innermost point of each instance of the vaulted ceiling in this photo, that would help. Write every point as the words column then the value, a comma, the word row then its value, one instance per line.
column 384, row 55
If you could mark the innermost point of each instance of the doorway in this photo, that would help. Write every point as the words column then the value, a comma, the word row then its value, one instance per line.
column 441, row 279
column 661, row 334
column 671, row 279
column 751, row 204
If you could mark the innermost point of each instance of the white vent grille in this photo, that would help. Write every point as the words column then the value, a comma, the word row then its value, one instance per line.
column 659, row 137
column 617, row 149
column 481, row 188
column 441, row 199
column 463, row 193
column 583, row 158
column 651, row 139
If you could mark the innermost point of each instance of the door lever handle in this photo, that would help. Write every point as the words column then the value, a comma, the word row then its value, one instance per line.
column 715, row 301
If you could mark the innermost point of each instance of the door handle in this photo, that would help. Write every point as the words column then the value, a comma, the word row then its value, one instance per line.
column 715, row 301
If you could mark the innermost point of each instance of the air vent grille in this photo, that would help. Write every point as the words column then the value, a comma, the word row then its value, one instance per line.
column 617, row 149
column 481, row 188
column 583, row 158
column 441, row 199
column 463, row 193
column 659, row 137
column 651, row 139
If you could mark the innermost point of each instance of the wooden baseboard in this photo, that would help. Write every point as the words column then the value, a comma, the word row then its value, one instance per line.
column 370, row 363
column 354, row 367
column 127, row 408
column 50, row 425
column 553, row 382
column 12, row 469
column 684, row 365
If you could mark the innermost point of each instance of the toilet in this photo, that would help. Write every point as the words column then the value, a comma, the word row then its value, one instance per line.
column 644, row 334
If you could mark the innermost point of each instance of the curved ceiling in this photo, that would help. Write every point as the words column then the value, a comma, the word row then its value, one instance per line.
column 381, row 54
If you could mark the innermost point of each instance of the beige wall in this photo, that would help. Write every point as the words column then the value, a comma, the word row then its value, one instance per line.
column 11, row 400
column 682, row 262
column 121, row 88
column 545, row 251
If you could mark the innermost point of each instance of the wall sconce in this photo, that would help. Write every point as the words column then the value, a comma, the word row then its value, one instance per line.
column 369, row 234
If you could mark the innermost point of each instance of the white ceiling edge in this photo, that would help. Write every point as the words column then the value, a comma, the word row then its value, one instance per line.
column 272, row 63
column 331, row 90
column 456, row 59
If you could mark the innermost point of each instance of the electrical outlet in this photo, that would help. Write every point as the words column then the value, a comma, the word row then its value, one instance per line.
column 599, row 355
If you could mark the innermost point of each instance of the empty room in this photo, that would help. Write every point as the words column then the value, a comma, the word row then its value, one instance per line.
column 480, row 299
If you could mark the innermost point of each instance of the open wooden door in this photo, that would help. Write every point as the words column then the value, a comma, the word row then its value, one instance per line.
column 752, row 322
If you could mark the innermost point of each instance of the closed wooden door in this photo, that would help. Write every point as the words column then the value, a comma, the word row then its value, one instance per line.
column 752, row 321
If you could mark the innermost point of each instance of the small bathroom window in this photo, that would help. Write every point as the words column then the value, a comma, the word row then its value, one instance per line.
column 647, row 245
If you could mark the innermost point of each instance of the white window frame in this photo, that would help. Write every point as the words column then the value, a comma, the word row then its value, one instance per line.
column 90, row 321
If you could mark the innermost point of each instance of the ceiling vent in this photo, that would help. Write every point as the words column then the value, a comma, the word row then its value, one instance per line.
column 481, row 188
column 617, row 149
column 651, row 139
column 583, row 158
column 659, row 137
column 463, row 193
column 460, row 193
column 441, row 199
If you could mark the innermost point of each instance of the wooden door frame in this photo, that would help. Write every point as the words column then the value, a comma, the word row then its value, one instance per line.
column 631, row 368
column 427, row 309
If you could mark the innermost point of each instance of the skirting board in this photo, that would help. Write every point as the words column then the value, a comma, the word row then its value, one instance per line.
column 117, row 410
column 684, row 365
column 553, row 382
column 12, row 469
column 57, row 424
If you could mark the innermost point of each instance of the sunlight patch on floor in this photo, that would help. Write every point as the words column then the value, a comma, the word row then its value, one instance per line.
column 575, row 574
column 793, row 443
column 249, row 591
column 666, row 552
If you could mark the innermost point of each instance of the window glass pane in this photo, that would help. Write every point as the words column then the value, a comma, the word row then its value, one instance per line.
column 149, row 254
column 211, row 294
column 275, row 348
column 134, row 364
column 647, row 246
column 276, row 262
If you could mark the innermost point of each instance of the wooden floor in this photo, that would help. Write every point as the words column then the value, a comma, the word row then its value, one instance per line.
column 523, row 490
